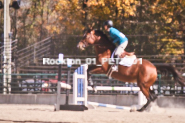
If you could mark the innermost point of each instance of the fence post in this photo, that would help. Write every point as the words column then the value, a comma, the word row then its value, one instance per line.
column 159, row 84
column 69, row 64
column 34, row 53
column 58, row 83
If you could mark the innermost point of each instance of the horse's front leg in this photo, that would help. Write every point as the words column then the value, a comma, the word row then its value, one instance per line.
column 93, row 69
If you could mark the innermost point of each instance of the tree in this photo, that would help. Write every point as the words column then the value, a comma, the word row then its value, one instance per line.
column 153, row 27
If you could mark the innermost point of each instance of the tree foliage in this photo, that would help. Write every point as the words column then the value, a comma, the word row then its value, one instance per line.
column 152, row 26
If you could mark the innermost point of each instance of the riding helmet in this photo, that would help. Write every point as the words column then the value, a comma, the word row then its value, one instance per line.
column 109, row 23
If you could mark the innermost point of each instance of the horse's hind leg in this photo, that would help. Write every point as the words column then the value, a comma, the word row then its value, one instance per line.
column 147, row 94
column 152, row 97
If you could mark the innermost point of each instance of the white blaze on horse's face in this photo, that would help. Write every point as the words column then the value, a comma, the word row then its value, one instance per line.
column 81, row 45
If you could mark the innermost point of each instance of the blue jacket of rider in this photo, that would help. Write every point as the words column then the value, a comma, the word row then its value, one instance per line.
column 117, row 36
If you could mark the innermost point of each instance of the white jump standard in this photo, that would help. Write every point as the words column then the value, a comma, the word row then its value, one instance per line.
column 60, row 85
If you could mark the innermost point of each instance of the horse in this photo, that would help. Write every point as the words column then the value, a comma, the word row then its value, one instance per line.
column 144, row 74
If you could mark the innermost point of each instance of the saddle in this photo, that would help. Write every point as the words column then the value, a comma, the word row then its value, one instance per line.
column 130, row 55
column 126, row 55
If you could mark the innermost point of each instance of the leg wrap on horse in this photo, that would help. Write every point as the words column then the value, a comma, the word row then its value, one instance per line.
column 90, row 81
column 144, row 107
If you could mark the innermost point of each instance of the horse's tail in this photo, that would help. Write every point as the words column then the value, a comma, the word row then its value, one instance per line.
column 176, row 74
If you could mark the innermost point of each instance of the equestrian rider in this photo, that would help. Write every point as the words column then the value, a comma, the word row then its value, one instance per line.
column 119, row 39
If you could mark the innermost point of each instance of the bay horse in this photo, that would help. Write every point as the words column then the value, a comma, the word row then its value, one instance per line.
column 144, row 74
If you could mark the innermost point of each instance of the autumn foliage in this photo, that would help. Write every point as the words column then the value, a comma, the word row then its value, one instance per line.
column 152, row 26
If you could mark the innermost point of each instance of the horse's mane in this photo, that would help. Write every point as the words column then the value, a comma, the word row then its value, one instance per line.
column 102, row 34
column 106, row 39
column 99, row 33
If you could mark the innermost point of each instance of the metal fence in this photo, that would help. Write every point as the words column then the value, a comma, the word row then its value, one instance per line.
column 14, row 50
column 47, row 84
column 31, row 53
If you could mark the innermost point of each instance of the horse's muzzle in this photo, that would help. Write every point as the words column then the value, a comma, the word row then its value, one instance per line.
column 81, row 46
column 78, row 46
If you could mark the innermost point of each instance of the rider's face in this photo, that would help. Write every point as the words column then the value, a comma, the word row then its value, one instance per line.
column 106, row 28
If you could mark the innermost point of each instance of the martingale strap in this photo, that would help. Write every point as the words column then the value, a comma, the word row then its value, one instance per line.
column 109, row 73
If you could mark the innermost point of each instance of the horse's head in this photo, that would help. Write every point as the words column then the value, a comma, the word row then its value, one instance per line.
column 89, row 38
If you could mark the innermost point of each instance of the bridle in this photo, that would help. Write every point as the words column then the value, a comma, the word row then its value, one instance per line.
column 89, row 37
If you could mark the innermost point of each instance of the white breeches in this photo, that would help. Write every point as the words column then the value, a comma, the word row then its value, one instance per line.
column 120, row 49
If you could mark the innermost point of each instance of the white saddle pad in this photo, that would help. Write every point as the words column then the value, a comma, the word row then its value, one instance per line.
column 127, row 61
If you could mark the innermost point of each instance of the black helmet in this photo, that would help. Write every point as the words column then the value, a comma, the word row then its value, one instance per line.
column 109, row 23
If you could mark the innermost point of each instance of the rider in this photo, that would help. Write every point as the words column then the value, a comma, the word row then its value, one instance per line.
column 119, row 39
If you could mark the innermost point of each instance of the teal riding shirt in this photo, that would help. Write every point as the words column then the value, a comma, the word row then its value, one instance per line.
column 117, row 36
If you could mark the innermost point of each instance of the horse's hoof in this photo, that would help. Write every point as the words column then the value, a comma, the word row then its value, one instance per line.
column 155, row 97
column 140, row 110
column 132, row 110
column 95, row 90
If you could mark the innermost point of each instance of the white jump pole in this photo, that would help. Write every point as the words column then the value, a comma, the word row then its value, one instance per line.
column 65, row 86
column 109, row 88
column 141, row 98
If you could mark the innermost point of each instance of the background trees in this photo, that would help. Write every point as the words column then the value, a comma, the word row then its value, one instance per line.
column 153, row 27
